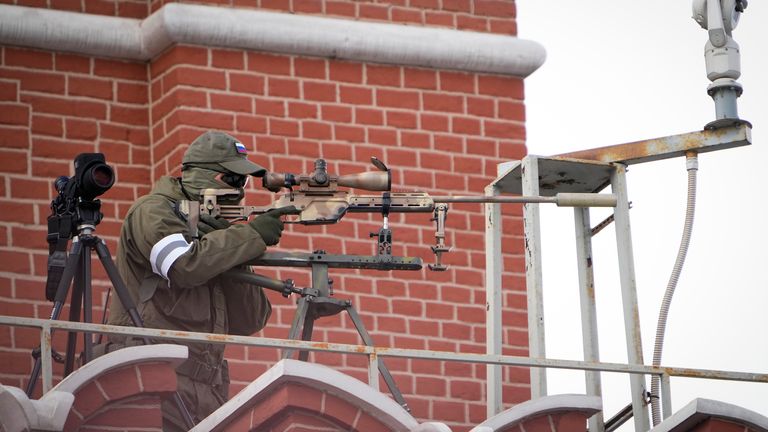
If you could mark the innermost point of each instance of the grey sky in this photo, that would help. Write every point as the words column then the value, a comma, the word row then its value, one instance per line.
column 619, row 71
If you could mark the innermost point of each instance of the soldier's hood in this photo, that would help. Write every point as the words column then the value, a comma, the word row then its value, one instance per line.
column 169, row 187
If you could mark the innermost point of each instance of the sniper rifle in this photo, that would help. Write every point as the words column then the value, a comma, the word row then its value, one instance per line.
column 319, row 200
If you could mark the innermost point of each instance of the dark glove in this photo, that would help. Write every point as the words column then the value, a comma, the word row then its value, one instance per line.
column 269, row 226
column 208, row 223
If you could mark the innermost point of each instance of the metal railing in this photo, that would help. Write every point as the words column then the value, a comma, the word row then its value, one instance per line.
column 373, row 353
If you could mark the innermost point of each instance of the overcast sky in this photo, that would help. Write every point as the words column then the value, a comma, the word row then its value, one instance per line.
column 619, row 71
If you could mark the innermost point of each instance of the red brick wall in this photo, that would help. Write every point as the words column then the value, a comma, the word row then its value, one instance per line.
column 54, row 106
column 440, row 131
column 720, row 425
column 292, row 404
column 120, row 8
column 555, row 422
column 128, row 397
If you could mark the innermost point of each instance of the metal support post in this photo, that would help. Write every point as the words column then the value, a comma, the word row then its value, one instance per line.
column 629, row 296
column 666, row 396
column 588, row 308
column 493, row 327
column 533, row 275
column 45, row 357
column 373, row 371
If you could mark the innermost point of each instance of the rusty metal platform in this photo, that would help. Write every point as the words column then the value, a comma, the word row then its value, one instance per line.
column 559, row 175
column 588, row 171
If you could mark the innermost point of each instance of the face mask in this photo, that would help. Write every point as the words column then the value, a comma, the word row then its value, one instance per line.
column 197, row 179
column 235, row 181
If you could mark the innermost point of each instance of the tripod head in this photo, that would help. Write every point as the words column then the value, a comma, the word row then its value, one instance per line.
column 75, row 211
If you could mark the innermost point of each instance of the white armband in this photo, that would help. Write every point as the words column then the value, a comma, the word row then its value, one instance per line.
column 166, row 252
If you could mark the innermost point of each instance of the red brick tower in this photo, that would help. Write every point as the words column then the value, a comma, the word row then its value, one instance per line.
column 432, row 87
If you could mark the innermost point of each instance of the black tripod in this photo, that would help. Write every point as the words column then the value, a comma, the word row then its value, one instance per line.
column 78, row 268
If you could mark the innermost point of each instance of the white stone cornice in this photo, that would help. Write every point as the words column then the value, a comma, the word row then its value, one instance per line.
column 133, row 39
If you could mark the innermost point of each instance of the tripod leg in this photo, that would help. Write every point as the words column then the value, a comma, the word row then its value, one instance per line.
column 117, row 282
column 66, row 279
column 388, row 379
column 33, row 376
column 306, row 334
column 87, row 303
column 58, row 302
column 298, row 323
column 74, row 315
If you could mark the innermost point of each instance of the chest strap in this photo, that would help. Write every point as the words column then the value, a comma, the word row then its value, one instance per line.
column 201, row 371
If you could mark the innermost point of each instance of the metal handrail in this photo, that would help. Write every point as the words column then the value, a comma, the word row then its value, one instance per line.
column 372, row 352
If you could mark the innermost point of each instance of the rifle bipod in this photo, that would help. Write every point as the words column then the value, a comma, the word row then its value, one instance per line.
column 310, row 308
column 316, row 302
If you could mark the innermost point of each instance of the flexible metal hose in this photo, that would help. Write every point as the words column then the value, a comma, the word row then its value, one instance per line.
column 692, row 165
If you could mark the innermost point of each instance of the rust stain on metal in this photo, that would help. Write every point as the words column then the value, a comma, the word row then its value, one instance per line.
column 662, row 148
column 591, row 291
column 714, row 374
column 692, row 374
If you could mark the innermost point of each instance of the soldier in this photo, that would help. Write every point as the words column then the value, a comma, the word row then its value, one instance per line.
column 175, row 279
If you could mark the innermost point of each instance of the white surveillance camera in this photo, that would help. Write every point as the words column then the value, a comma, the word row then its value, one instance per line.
column 721, row 52
column 728, row 10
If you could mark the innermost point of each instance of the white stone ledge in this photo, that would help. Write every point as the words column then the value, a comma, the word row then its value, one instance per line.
column 224, row 27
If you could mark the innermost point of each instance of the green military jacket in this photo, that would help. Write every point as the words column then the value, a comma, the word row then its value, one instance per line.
column 175, row 280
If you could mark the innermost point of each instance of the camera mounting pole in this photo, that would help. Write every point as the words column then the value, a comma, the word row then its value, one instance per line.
column 722, row 57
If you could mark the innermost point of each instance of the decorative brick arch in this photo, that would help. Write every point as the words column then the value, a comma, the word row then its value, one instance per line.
column 706, row 415
column 123, row 388
column 293, row 405
column 301, row 396
column 558, row 413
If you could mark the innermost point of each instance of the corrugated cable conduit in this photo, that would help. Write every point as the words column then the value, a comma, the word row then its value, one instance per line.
column 692, row 165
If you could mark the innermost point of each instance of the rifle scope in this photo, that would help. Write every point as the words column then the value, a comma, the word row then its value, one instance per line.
column 320, row 180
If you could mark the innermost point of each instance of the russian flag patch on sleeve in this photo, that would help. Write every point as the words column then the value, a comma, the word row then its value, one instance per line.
column 240, row 148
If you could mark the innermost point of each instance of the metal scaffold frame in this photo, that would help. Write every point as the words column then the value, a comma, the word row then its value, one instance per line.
column 587, row 171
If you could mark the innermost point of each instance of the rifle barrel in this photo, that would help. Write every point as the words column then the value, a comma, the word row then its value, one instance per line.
column 561, row 199
column 494, row 199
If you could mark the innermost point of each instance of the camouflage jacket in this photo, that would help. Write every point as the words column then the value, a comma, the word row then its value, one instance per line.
column 175, row 280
